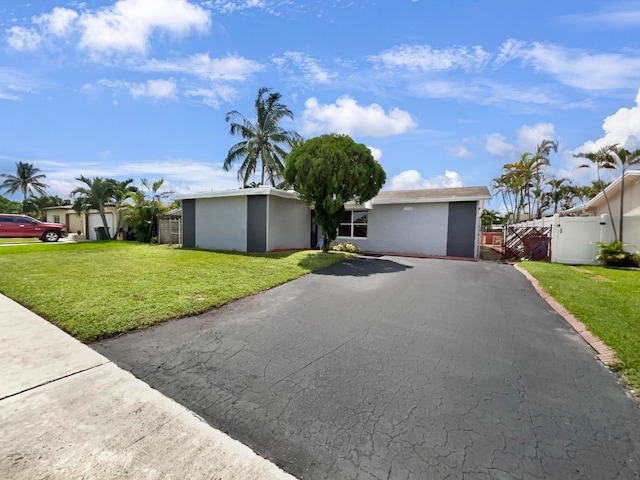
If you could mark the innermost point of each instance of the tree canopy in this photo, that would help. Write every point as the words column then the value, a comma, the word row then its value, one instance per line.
column 330, row 170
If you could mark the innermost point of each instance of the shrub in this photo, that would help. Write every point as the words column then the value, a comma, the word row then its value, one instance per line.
column 347, row 247
column 614, row 255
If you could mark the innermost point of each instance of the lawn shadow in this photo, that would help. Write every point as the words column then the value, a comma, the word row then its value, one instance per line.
column 361, row 267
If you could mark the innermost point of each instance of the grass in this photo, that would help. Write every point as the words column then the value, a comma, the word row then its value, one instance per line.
column 606, row 300
column 97, row 289
column 20, row 240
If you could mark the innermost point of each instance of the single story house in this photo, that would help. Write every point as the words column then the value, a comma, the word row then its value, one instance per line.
column 83, row 224
column 435, row 222
column 598, row 205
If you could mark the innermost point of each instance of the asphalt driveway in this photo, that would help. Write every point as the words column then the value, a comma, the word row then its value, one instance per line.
column 398, row 368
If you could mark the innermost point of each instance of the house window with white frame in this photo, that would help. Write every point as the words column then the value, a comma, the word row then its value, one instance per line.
column 353, row 224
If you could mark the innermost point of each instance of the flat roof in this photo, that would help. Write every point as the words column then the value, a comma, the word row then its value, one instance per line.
column 432, row 195
column 241, row 192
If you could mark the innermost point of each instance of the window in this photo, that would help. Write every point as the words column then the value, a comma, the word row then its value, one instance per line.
column 353, row 224
column 56, row 219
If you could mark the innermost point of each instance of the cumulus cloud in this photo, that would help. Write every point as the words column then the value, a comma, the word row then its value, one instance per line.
column 310, row 68
column 23, row 39
column 528, row 137
column 574, row 67
column 621, row 128
column 376, row 152
column 347, row 117
column 155, row 89
column 427, row 59
column 59, row 22
column 459, row 151
column 231, row 67
column 126, row 26
column 413, row 180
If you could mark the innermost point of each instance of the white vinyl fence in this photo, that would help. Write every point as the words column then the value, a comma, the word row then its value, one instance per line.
column 574, row 240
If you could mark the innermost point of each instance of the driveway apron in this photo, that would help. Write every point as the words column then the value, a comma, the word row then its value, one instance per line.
column 398, row 368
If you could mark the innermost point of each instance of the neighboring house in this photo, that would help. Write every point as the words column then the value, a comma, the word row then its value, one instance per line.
column 85, row 223
column 436, row 222
column 598, row 205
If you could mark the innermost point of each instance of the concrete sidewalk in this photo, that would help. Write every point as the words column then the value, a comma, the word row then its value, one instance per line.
column 68, row 412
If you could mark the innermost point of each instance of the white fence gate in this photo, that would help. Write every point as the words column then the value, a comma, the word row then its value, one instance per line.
column 574, row 240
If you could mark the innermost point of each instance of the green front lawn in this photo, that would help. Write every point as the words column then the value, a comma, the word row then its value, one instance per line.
column 606, row 300
column 96, row 289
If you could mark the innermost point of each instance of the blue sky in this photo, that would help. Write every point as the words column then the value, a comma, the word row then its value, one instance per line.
column 443, row 92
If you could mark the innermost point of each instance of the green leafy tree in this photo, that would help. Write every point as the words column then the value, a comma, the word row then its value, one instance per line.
column 26, row 180
column 263, row 141
column 121, row 191
column 35, row 206
column 97, row 193
column 490, row 217
column 327, row 172
column 9, row 206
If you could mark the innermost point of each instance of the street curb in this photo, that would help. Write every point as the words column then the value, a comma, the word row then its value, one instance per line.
column 605, row 354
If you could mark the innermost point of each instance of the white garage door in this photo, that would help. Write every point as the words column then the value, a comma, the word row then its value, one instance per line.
column 96, row 221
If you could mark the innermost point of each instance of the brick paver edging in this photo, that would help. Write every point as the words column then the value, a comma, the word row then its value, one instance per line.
column 605, row 354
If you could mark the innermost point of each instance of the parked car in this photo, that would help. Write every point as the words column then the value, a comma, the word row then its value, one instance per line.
column 22, row 226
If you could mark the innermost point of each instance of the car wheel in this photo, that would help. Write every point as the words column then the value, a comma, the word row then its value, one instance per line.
column 50, row 236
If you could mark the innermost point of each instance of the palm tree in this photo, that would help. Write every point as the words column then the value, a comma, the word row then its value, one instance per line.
column 261, row 142
column 26, row 180
column 97, row 193
column 623, row 160
column 559, row 192
column 121, row 191
column 599, row 159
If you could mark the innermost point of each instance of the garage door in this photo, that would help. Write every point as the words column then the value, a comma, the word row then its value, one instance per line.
column 462, row 234
column 95, row 221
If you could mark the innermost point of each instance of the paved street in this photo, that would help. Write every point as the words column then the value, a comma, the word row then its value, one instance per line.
column 398, row 368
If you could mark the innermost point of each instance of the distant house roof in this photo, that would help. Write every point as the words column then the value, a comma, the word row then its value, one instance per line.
column 241, row 192
column 612, row 191
column 432, row 195
column 175, row 213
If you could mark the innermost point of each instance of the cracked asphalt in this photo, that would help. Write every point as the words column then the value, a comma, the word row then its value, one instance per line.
column 398, row 368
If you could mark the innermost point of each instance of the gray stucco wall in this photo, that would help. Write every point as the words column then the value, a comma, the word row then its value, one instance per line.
column 222, row 223
column 289, row 224
column 414, row 228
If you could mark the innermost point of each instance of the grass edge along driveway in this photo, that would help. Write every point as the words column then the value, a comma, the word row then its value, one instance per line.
column 606, row 300
column 98, row 289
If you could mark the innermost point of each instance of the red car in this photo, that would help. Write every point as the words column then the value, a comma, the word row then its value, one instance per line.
column 22, row 226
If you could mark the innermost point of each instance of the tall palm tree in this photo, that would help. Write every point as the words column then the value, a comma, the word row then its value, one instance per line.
column 599, row 159
column 121, row 191
column 27, row 180
column 97, row 193
column 262, row 142
column 623, row 160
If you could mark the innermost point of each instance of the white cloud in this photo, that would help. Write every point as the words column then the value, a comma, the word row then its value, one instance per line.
column 23, row 39
column 230, row 6
column 622, row 128
column 311, row 69
column 231, row 67
column 376, row 152
column 459, row 151
column 154, row 88
column 574, row 67
column 347, row 117
column 212, row 96
column 128, row 24
column 59, row 22
column 496, row 145
column 427, row 59
column 528, row 137
column 413, row 180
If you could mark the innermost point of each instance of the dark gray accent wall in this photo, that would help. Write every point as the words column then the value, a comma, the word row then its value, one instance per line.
column 189, row 223
column 461, row 231
column 257, row 223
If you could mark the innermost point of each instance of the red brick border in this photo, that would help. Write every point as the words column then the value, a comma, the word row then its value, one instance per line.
column 605, row 354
